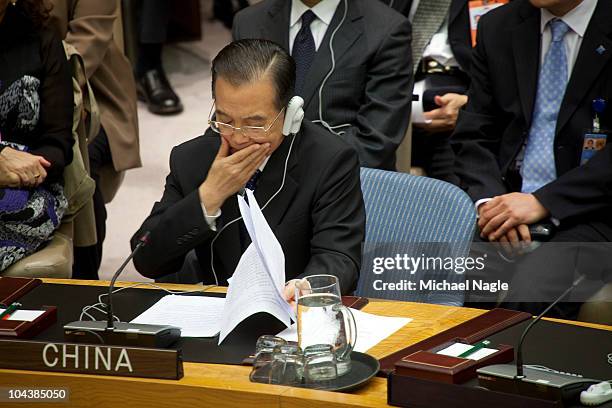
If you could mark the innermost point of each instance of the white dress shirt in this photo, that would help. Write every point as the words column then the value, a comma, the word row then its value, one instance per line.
column 577, row 19
column 324, row 11
column 211, row 220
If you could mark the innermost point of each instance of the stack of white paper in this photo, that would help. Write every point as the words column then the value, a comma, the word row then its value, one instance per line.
column 259, row 280
column 197, row 316
column 371, row 329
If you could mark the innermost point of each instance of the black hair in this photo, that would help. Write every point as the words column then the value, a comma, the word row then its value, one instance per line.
column 245, row 61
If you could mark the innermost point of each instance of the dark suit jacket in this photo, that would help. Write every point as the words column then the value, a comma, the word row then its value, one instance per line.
column 495, row 123
column 459, row 35
column 318, row 217
column 371, row 87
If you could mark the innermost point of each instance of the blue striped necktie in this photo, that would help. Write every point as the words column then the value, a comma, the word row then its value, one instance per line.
column 538, row 168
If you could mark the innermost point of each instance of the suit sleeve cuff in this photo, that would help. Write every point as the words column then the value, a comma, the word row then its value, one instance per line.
column 211, row 220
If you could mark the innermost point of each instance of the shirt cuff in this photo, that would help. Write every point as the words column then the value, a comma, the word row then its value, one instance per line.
column 479, row 203
column 211, row 220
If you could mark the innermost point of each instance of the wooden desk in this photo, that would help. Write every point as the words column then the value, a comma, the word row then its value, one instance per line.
column 226, row 385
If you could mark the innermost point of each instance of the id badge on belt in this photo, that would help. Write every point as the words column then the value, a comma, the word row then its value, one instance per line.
column 595, row 138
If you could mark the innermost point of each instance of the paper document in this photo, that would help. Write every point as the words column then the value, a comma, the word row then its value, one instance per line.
column 456, row 349
column 24, row 315
column 371, row 329
column 259, row 279
column 197, row 316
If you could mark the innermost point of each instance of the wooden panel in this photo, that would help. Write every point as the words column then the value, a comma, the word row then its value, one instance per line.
column 427, row 320
column 374, row 394
column 142, row 285
column 203, row 385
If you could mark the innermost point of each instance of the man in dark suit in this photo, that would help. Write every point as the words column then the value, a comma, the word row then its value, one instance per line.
column 442, row 52
column 537, row 67
column 307, row 184
column 366, row 99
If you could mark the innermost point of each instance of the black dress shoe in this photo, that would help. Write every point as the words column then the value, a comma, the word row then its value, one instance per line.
column 155, row 90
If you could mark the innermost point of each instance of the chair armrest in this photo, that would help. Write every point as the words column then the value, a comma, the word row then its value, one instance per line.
column 53, row 261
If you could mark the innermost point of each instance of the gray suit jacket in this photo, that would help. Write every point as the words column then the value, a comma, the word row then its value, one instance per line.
column 371, row 87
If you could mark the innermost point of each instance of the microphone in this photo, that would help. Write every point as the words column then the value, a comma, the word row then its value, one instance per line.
column 519, row 350
column 120, row 333
column 142, row 241
column 534, row 381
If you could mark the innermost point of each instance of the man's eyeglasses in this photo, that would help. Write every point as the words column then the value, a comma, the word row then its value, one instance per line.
column 252, row 132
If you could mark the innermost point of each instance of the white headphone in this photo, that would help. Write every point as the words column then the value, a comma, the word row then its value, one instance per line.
column 294, row 115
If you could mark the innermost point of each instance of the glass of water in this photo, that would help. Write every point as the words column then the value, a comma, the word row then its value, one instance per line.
column 322, row 319
column 320, row 364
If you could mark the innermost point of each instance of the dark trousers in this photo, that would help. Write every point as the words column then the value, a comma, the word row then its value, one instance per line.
column 153, row 17
column 87, row 259
column 433, row 152
column 153, row 21
column 543, row 276
column 536, row 279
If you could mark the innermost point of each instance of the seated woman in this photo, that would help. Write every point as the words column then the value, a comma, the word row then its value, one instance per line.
column 36, row 107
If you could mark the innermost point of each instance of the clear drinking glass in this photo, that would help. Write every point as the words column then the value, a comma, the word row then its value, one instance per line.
column 322, row 319
column 320, row 365
column 265, row 348
column 288, row 366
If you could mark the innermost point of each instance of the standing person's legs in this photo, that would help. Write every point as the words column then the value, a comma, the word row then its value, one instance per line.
column 432, row 152
column 153, row 85
column 87, row 260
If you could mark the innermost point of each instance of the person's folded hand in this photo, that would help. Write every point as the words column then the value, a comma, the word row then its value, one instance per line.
column 515, row 241
column 506, row 212
column 8, row 178
column 444, row 118
column 28, row 167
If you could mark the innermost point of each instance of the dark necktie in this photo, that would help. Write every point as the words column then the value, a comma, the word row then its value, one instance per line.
column 304, row 50
column 244, row 234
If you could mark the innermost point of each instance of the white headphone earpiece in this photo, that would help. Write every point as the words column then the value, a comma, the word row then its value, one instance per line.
column 294, row 114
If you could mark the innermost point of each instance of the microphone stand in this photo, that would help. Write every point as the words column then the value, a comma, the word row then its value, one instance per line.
column 110, row 326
